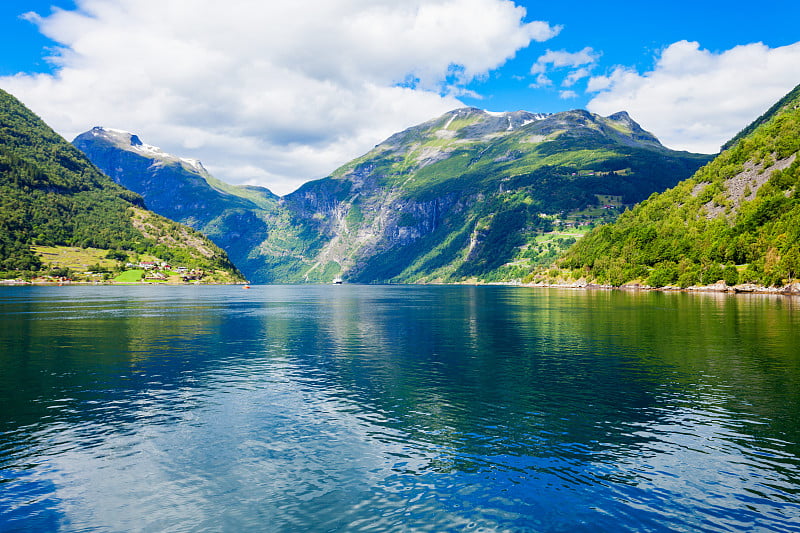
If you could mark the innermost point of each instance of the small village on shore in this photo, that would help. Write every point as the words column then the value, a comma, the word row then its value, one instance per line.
column 143, row 272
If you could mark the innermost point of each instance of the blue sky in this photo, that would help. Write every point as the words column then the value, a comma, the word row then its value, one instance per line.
column 276, row 94
column 632, row 34
column 26, row 49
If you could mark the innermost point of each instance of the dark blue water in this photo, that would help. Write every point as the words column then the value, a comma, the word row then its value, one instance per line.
column 352, row 408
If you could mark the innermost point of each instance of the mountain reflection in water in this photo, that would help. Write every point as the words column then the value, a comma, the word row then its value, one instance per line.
column 397, row 408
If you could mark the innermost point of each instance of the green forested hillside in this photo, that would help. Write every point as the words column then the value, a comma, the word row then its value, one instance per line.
column 50, row 194
column 737, row 219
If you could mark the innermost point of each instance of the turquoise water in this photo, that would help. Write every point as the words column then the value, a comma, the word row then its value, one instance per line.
column 368, row 408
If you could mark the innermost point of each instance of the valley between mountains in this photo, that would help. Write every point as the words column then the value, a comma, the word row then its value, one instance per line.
column 469, row 196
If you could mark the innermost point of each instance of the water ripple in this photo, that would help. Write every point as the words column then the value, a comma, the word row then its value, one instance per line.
column 396, row 409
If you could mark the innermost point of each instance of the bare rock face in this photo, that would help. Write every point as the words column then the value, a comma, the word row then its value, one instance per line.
column 792, row 288
column 744, row 186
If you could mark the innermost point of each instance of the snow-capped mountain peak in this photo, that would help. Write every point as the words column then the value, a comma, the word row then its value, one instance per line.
column 131, row 142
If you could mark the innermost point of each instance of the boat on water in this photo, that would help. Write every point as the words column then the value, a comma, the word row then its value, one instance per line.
column 338, row 281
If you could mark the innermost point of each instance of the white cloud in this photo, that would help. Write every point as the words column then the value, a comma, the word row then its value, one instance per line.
column 575, row 76
column 695, row 99
column 541, row 81
column 578, row 66
column 562, row 58
column 271, row 93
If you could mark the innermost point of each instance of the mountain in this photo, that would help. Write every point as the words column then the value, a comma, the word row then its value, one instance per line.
column 460, row 196
column 234, row 217
column 737, row 219
column 453, row 198
column 52, row 195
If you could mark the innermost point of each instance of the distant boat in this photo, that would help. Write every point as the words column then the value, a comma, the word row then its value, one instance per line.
column 338, row 281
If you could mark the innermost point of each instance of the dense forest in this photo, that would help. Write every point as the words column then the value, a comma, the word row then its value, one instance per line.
column 51, row 194
column 736, row 220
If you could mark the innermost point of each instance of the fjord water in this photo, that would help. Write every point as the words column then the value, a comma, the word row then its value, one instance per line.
column 369, row 408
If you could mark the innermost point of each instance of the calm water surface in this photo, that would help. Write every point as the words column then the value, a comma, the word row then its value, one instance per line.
column 366, row 408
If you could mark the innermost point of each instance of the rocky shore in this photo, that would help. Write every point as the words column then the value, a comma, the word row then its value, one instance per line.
column 791, row 289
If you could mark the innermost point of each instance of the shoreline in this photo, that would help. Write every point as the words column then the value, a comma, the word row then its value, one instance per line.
column 791, row 289
column 20, row 283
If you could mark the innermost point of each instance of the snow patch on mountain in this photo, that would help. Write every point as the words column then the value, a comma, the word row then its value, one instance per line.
column 131, row 142
column 517, row 119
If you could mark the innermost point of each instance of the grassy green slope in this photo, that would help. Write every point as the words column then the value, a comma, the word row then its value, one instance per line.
column 524, row 158
column 737, row 219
